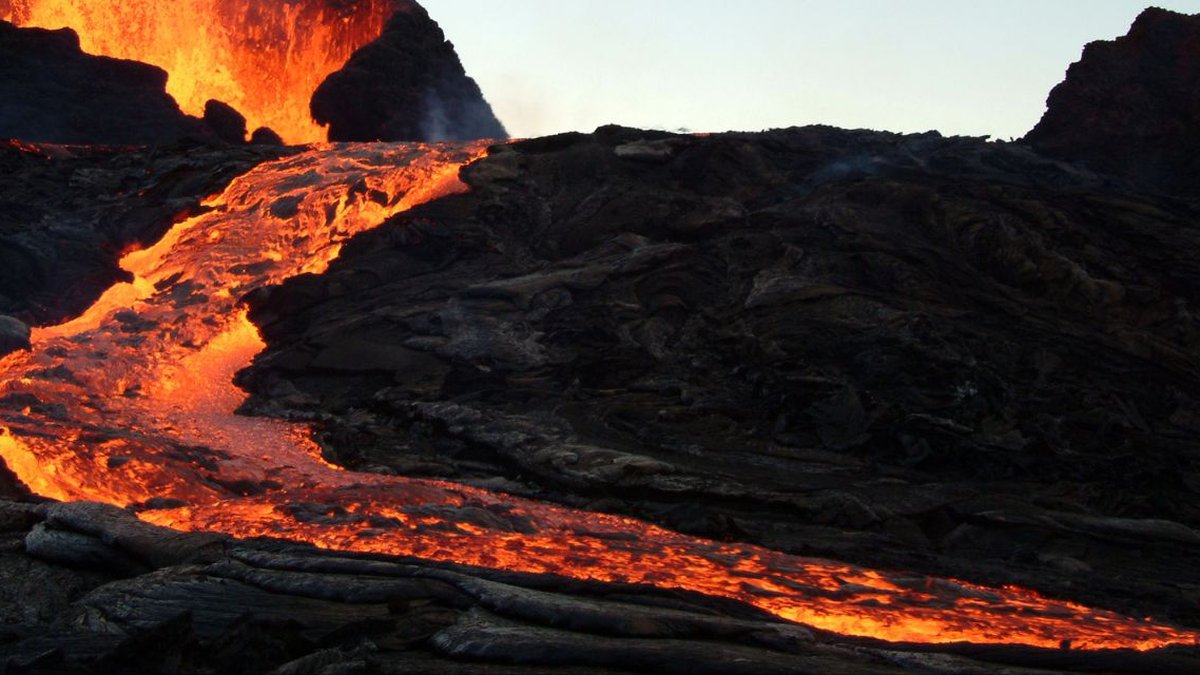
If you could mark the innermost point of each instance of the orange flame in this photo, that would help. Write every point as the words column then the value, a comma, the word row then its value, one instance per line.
column 132, row 404
column 264, row 58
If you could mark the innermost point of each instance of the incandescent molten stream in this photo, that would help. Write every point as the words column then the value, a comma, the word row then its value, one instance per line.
column 263, row 57
column 132, row 404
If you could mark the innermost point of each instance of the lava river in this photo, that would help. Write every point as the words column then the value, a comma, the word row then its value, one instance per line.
column 132, row 404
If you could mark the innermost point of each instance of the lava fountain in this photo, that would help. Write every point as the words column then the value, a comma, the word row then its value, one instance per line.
column 132, row 404
column 263, row 57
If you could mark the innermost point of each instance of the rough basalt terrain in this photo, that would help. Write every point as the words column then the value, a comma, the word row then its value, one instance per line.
column 917, row 352
column 408, row 85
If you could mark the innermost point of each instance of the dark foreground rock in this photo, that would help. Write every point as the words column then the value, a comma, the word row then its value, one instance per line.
column 1131, row 106
column 67, row 213
column 926, row 353
column 408, row 85
column 89, row 589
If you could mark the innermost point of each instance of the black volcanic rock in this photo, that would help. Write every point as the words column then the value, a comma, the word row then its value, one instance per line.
column 67, row 214
column 52, row 92
column 1130, row 107
column 226, row 122
column 936, row 354
column 90, row 589
column 14, row 334
column 265, row 136
column 408, row 85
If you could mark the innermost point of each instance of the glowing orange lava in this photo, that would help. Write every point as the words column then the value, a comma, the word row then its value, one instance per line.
column 132, row 404
column 263, row 57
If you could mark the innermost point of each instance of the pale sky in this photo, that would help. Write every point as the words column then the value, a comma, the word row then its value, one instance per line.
column 975, row 67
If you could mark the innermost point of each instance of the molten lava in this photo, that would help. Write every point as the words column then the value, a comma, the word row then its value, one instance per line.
column 132, row 404
column 263, row 57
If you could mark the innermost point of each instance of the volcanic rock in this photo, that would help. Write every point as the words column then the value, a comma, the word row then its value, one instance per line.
column 938, row 355
column 408, row 85
column 227, row 123
column 265, row 136
column 925, row 353
column 14, row 335
column 50, row 91
column 1130, row 107
column 67, row 214
column 90, row 589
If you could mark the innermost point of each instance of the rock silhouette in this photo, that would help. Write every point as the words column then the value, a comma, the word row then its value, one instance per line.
column 408, row 85
column 67, row 214
column 52, row 92
column 1130, row 107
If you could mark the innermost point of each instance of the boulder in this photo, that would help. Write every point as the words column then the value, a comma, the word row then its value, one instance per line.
column 14, row 335
column 265, row 136
column 227, row 123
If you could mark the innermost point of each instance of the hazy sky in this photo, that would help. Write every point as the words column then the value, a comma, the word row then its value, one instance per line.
column 979, row 67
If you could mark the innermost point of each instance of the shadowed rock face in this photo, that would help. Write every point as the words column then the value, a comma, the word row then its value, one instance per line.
column 406, row 86
column 52, row 92
column 1130, row 107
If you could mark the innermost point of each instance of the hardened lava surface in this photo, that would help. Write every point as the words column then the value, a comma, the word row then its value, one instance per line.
column 132, row 404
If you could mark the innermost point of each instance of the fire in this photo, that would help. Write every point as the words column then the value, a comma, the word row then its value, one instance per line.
column 132, row 404
column 263, row 57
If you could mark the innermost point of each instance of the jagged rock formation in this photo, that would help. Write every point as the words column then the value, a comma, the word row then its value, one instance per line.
column 1131, row 107
column 265, row 136
column 406, row 86
column 52, row 92
column 67, row 213
column 925, row 353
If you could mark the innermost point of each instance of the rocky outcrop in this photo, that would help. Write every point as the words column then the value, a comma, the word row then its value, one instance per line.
column 408, row 85
column 67, row 214
column 52, row 92
column 924, row 353
column 1130, row 107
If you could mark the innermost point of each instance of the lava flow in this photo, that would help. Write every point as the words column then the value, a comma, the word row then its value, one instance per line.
column 264, row 58
column 132, row 404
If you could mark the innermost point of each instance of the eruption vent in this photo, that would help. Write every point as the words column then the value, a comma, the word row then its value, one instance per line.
column 132, row 404
column 263, row 57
